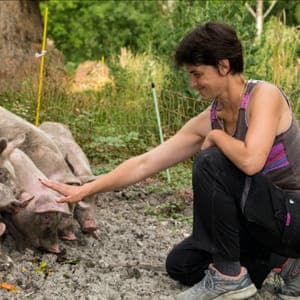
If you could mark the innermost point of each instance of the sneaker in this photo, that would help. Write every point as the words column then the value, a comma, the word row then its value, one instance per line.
column 290, row 280
column 215, row 285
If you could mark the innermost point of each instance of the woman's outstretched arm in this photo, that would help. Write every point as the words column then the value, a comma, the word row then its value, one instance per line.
column 176, row 149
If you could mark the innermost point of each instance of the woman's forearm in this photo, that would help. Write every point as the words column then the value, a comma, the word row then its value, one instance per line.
column 127, row 173
column 250, row 162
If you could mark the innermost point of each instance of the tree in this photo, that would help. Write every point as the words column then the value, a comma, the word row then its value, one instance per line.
column 88, row 30
column 259, row 14
column 20, row 37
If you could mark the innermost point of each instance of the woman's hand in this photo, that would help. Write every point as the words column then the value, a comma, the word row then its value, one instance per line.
column 72, row 193
column 208, row 142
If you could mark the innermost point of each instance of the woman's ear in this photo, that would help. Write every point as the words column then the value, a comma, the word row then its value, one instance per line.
column 224, row 67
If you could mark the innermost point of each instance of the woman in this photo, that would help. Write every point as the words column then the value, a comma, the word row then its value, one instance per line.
column 246, row 176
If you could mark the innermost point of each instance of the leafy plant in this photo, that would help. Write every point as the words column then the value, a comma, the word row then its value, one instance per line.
column 44, row 268
column 278, row 48
column 171, row 209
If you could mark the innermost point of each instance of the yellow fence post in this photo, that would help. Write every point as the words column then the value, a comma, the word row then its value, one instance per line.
column 42, row 66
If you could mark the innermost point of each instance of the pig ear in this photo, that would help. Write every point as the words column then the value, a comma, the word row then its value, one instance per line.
column 73, row 180
column 25, row 197
column 87, row 178
column 46, row 205
column 3, row 144
column 14, row 144
column 18, row 141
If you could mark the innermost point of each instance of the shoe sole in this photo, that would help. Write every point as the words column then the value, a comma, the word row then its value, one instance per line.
column 286, row 297
column 239, row 294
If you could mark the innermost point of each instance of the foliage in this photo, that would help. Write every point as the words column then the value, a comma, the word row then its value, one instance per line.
column 90, row 29
column 290, row 9
column 44, row 269
column 113, row 149
column 278, row 48
column 172, row 209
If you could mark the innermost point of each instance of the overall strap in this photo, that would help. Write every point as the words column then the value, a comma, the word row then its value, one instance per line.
column 242, row 126
column 215, row 124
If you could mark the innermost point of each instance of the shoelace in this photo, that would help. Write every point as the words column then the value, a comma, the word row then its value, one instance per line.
column 278, row 282
column 206, row 283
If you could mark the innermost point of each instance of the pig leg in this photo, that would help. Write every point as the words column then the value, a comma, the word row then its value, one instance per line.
column 15, row 233
column 5, row 262
column 84, row 214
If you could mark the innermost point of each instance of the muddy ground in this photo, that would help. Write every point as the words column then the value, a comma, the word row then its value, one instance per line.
column 125, row 261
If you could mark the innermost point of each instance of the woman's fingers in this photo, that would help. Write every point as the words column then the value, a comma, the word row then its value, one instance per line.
column 62, row 200
column 71, row 193
column 57, row 186
column 68, row 199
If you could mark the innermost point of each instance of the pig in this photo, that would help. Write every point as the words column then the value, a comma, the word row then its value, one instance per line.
column 46, row 156
column 8, row 202
column 39, row 220
column 38, row 146
column 79, row 165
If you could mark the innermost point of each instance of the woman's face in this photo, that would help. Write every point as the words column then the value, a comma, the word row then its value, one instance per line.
column 205, row 79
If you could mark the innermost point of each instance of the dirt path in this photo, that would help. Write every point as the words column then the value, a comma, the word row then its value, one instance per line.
column 125, row 262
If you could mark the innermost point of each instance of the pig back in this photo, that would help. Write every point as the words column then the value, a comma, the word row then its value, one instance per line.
column 72, row 152
column 38, row 146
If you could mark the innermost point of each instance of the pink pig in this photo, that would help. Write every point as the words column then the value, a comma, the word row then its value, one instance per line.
column 40, row 219
column 8, row 202
column 48, row 158
column 79, row 164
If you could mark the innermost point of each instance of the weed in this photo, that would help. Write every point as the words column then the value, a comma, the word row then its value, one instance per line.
column 172, row 209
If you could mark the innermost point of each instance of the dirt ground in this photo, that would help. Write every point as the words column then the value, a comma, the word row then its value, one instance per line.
column 125, row 261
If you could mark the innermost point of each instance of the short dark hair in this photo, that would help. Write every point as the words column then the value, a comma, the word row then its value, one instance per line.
column 209, row 43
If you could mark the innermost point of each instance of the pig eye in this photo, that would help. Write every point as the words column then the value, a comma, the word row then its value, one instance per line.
column 45, row 219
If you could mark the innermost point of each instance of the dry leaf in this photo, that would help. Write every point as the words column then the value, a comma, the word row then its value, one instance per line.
column 8, row 287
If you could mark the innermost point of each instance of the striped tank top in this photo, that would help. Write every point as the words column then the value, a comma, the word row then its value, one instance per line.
column 283, row 162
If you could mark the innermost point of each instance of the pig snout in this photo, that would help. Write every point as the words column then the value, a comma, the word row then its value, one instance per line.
column 39, row 229
column 48, row 237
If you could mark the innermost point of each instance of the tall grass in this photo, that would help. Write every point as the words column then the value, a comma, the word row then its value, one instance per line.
column 275, row 59
column 118, row 121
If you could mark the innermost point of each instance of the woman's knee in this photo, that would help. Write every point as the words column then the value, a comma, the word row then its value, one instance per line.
column 209, row 158
column 177, row 271
column 186, row 263
column 172, row 263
